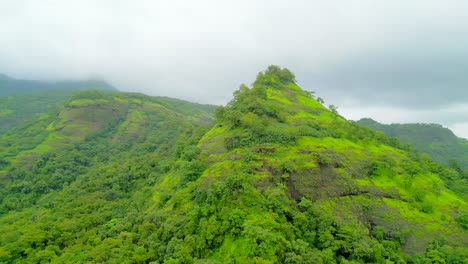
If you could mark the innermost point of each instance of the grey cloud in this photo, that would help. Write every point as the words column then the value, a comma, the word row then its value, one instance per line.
column 410, row 78
column 373, row 53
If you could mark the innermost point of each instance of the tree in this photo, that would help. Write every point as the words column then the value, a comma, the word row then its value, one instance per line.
column 454, row 164
column 320, row 100
column 284, row 74
column 287, row 76
column 333, row 109
column 219, row 113
column 3, row 163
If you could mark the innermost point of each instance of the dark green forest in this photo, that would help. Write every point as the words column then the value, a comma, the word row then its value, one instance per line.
column 274, row 176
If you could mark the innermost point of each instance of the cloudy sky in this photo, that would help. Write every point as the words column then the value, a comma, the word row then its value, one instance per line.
column 392, row 60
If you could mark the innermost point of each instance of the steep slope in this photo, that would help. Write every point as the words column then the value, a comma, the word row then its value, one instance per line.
column 287, row 181
column 437, row 141
column 10, row 86
column 277, row 179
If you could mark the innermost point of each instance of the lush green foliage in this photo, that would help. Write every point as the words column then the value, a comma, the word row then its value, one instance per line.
column 278, row 178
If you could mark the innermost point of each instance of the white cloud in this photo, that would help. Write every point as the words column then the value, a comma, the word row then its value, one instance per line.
column 460, row 129
column 202, row 50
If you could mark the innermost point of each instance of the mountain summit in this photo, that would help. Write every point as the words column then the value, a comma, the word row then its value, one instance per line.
column 276, row 178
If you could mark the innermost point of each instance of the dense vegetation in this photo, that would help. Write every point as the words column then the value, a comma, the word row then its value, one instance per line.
column 437, row 141
column 276, row 178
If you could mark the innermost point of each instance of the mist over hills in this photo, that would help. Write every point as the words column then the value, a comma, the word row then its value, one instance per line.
column 437, row 141
column 10, row 86
column 272, row 177
column 21, row 100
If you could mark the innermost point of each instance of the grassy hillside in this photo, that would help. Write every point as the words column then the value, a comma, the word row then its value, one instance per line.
column 278, row 178
column 10, row 86
column 437, row 141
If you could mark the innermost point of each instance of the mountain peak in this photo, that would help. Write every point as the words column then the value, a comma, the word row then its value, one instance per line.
column 368, row 121
column 275, row 109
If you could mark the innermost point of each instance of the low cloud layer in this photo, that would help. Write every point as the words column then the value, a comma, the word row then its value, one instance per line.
column 404, row 61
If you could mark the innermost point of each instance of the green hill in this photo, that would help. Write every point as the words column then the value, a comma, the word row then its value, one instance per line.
column 437, row 141
column 277, row 178
column 93, row 113
column 21, row 100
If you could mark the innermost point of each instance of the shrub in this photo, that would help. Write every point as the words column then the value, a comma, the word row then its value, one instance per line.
column 462, row 219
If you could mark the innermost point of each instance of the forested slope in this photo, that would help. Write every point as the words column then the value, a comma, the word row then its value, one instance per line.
column 277, row 178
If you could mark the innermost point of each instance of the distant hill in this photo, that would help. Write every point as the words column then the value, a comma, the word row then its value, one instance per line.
column 437, row 141
column 21, row 100
column 9, row 86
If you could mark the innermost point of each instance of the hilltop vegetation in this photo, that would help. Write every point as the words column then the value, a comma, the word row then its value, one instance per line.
column 276, row 178
column 437, row 141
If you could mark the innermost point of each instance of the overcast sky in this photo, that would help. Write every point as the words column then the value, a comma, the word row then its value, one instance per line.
column 394, row 60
